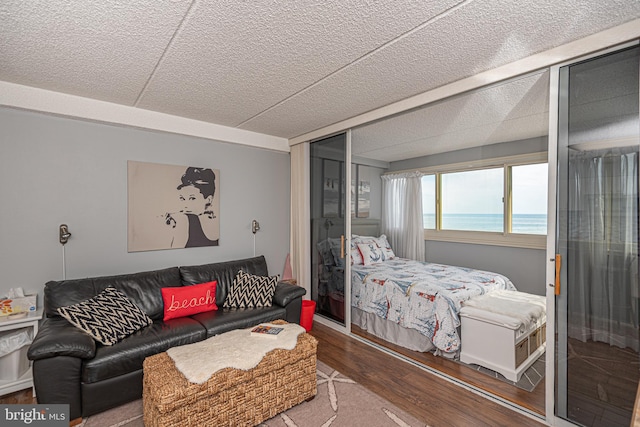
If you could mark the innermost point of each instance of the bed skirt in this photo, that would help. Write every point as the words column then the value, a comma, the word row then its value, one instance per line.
column 390, row 331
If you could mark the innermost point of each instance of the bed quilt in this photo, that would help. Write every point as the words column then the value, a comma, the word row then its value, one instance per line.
column 423, row 296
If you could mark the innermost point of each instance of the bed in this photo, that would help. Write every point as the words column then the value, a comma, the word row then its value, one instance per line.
column 409, row 303
column 419, row 296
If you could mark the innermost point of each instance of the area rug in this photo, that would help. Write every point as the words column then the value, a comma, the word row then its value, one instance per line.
column 340, row 402
column 529, row 379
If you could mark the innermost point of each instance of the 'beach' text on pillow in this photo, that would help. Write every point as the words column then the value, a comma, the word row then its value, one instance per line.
column 187, row 300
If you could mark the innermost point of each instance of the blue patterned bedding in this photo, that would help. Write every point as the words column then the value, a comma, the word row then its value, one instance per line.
column 421, row 296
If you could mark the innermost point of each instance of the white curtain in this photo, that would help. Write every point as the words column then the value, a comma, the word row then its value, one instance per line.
column 300, row 216
column 402, row 214
column 602, row 249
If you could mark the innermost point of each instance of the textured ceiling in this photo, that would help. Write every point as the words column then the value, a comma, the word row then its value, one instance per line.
column 509, row 111
column 286, row 68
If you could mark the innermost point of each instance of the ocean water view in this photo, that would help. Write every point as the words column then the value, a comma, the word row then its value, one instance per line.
column 522, row 223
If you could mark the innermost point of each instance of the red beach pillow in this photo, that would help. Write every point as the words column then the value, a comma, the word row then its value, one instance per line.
column 187, row 300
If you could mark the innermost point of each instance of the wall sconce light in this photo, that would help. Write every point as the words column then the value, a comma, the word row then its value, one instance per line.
column 64, row 234
column 255, row 226
column 64, row 238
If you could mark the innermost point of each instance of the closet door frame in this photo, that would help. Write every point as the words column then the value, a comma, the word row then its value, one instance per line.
column 346, row 328
column 552, row 213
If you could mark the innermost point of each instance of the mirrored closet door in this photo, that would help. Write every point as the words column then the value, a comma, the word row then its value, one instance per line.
column 329, row 244
column 597, row 334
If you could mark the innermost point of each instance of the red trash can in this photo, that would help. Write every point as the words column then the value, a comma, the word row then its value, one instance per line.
column 306, row 314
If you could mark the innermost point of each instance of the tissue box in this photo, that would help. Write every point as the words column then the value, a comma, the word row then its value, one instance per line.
column 16, row 305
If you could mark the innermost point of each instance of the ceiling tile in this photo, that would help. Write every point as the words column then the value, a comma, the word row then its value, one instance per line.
column 286, row 68
column 232, row 60
column 97, row 49
column 479, row 36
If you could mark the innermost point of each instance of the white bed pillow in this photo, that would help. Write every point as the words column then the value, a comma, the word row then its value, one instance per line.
column 381, row 242
column 371, row 253
column 356, row 255
column 385, row 247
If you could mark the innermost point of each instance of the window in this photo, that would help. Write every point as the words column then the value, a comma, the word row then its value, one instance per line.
column 529, row 199
column 493, row 201
column 429, row 201
column 472, row 200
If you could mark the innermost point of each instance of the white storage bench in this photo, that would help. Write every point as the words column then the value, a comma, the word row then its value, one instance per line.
column 503, row 331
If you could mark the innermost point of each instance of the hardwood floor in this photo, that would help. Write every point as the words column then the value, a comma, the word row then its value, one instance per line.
column 603, row 383
column 441, row 403
column 22, row 397
column 424, row 395
column 533, row 401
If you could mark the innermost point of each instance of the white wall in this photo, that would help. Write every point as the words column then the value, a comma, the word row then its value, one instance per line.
column 57, row 170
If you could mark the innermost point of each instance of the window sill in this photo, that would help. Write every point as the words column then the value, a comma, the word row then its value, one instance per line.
column 529, row 241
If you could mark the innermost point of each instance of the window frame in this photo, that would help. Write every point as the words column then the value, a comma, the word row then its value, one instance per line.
column 504, row 238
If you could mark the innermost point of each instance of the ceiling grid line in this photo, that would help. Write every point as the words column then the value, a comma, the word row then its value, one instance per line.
column 164, row 53
column 380, row 48
column 280, row 72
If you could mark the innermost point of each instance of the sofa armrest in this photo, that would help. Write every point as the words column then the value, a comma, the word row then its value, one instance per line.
column 290, row 297
column 58, row 380
column 286, row 292
column 57, row 337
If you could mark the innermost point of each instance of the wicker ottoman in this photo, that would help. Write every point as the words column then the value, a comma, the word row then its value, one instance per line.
column 231, row 397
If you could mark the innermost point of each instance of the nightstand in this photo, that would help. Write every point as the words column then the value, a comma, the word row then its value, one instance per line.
column 25, row 381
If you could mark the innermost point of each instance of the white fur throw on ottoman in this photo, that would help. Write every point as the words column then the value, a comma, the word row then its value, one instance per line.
column 234, row 349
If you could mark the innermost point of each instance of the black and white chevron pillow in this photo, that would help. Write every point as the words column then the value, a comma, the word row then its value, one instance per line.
column 108, row 317
column 249, row 291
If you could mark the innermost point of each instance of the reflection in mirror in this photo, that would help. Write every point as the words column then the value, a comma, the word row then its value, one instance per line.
column 509, row 111
column 328, row 157
column 597, row 318
column 331, row 248
column 508, row 120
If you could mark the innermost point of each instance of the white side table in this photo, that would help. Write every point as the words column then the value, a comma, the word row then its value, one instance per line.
column 26, row 380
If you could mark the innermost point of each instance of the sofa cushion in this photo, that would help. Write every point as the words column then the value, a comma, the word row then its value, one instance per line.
column 141, row 288
column 228, row 319
column 108, row 317
column 187, row 300
column 127, row 356
column 250, row 291
column 223, row 273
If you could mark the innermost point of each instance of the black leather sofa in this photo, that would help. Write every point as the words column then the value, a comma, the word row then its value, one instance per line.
column 70, row 367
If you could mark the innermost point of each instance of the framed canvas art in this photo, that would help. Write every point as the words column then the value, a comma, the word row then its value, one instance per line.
column 172, row 206
column 331, row 191
column 364, row 193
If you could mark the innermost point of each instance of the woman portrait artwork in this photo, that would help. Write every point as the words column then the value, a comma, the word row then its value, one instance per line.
column 172, row 206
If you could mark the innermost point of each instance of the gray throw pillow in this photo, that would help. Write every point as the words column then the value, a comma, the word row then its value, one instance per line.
column 249, row 291
column 108, row 317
